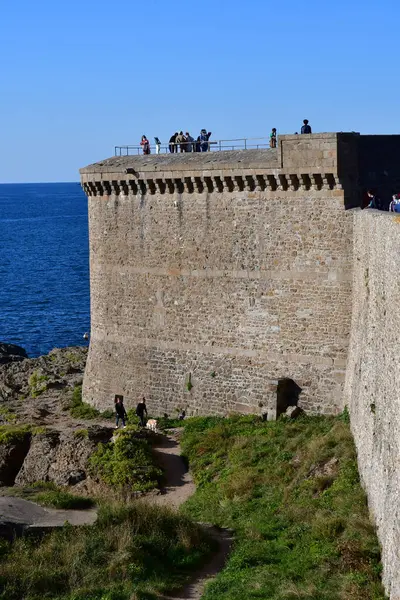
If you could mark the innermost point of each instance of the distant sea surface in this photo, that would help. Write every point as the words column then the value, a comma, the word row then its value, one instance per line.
column 44, row 266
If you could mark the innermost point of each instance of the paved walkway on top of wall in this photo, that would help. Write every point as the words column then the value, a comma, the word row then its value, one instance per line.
column 178, row 489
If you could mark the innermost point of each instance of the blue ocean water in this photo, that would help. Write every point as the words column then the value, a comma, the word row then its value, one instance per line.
column 44, row 266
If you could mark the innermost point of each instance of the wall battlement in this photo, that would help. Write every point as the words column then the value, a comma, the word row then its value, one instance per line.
column 297, row 164
column 231, row 263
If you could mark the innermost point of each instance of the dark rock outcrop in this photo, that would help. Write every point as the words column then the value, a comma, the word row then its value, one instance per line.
column 12, row 456
column 61, row 456
column 11, row 353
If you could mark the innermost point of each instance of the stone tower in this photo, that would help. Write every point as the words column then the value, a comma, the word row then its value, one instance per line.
column 216, row 278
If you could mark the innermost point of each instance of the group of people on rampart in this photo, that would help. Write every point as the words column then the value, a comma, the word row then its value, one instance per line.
column 373, row 200
column 180, row 142
column 184, row 142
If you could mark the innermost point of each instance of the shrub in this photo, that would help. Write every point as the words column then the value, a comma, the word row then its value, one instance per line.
column 37, row 384
column 7, row 415
column 127, row 461
column 14, row 433
column 81, row 433
column 79, row 409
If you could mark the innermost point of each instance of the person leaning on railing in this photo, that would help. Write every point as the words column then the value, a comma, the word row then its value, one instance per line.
column 145, row 145
column 172, row 143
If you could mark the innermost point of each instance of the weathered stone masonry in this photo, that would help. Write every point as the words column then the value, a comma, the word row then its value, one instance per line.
column 231, row 270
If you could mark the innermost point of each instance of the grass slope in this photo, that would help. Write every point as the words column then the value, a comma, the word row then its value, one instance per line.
column 291, row 491
column 133, row 552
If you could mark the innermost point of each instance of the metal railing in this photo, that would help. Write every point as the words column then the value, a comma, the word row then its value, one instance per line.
column 195, row 146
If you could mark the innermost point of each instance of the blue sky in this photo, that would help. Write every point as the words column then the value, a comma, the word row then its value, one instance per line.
column 79, row 77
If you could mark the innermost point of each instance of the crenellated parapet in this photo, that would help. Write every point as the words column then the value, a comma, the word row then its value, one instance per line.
column 216, row 183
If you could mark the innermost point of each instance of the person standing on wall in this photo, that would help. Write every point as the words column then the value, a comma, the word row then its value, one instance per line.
column 204, row 137
column 172, row 143
column 272, row 138
column 306, row 128
column 189, row 144
column 180, row 139
column 145, row 145
column 375, row 201
column 119, row 410
column 141, row 409
column 158, row 145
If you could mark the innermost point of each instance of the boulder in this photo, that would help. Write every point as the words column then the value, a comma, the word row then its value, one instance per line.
column 11, row 353
column 61, row 456
column 292, row 412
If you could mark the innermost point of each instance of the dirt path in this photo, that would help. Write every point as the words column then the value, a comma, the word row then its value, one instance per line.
column 179, row 487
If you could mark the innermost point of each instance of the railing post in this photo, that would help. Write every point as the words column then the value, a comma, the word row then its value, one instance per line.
column 245, row 143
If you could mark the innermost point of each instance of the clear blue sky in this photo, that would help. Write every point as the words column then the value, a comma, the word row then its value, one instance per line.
column 79, row 77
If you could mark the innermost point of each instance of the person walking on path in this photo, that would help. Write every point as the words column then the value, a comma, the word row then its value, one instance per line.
column 172, row 143
column 272, row 138
column 141, row 409
column 158, row 145
column 119, row 410
column 145, row 145
column 306, row 128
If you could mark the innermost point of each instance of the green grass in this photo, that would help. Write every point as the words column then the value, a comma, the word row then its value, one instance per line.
column 47, row 493
column 126, row 462
column 133, row 552
column 291, row 492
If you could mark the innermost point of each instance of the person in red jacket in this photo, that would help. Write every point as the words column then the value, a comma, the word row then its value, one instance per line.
column 145, row 145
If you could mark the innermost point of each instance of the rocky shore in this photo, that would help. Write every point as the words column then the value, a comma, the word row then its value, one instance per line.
column 40, row 439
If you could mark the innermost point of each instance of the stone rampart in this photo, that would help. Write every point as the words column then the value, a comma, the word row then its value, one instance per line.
column 215, row 275
column 372, row 389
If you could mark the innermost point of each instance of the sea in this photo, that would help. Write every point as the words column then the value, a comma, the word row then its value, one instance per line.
column 44, row 266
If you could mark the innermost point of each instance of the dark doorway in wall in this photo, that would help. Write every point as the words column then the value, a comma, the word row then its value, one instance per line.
column 287, row 394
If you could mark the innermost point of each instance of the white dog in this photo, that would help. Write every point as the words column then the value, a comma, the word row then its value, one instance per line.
column 152, row 425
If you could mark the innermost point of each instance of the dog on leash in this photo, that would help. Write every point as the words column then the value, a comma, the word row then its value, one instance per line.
column 152, row 425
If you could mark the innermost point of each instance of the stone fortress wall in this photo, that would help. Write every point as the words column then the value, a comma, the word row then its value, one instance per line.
column 216, row 275
column 372, row 389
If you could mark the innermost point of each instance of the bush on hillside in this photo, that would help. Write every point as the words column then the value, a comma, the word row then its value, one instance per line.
column 126, row 462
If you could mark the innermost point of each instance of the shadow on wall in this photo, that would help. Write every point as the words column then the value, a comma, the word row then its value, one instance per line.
column 287, row 394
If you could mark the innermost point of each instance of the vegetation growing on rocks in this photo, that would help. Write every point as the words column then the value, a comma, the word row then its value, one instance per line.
column 133, row 551
column 37, row 384
column 79, row 409
column 13, row 433
column 291, row 492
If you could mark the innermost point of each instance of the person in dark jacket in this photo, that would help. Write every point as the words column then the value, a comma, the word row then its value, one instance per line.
column 119, row 410
column 173, row 147
column 204, row 137
column 375, row 201
column 141, row 409
column 306, row 128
